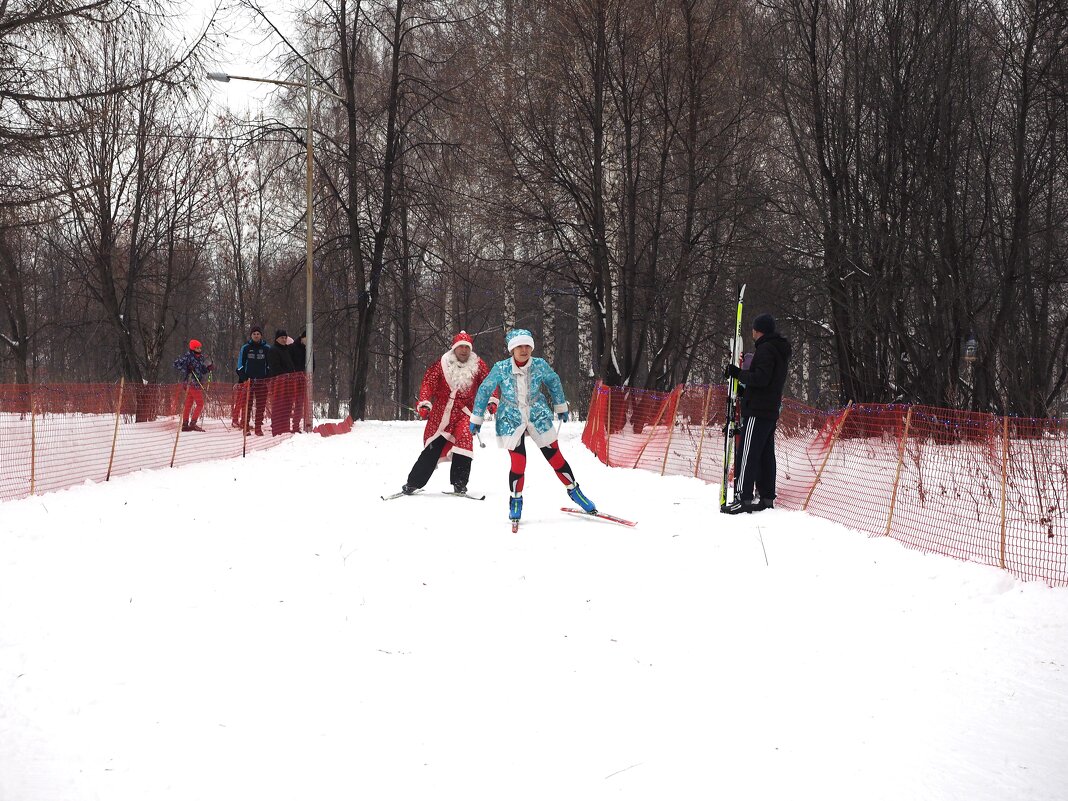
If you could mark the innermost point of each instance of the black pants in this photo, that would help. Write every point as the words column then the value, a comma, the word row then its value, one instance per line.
column 755, row 460
column 424, row 466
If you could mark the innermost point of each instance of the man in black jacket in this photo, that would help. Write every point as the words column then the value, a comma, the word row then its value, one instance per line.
column 252, row 367
column 761, row 400
column 298, row 351
column 283, row 389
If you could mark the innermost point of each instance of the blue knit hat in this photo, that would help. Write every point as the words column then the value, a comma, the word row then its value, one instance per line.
column 517, row 337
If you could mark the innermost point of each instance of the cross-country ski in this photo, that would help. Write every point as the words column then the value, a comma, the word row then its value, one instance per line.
column 401, row 494
column 599, row 515
column 467, row 495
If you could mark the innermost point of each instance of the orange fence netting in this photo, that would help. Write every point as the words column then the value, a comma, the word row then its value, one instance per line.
column 969, row 485
column 55, row 436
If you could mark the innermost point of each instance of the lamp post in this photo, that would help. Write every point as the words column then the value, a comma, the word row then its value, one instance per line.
column 309, row 235
column 971, row 353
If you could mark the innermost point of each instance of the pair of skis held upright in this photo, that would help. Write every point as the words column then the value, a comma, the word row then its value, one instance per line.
column 730, row 429
column 515, row 523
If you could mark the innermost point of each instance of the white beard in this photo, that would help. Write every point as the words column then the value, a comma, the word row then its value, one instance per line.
column 459, row 375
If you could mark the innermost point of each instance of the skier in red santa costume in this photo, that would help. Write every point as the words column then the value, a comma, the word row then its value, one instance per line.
column 445, row 402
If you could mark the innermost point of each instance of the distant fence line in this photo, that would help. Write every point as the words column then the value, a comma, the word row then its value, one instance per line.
column 969, row 485
column 54, row 436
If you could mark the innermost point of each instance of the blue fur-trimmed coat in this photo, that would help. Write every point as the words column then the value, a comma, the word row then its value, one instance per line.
column 532, row 414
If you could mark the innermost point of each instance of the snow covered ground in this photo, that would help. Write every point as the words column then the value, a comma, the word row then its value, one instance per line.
column 269, row 629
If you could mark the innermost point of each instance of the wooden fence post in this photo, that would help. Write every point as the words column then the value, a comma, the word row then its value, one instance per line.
column 247, row 403
column 115, row 435
column 897, row 475
column 593, row 417
column 33, row 442
column 1004, row 481
column 701, row 438
column 652, row 430
column 608, row 432
column 178, row 432
column 671, row 431
column 834, row 438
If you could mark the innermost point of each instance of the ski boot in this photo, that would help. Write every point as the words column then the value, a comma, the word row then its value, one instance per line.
column 408, row 489
column 764, row 503
column 460, row 488
column 740, row 507
column 577, row 495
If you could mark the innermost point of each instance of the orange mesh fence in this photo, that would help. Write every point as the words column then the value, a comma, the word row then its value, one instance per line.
column 973, row 486
column 56, row 436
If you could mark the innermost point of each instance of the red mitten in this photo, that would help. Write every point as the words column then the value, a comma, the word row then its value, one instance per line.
column 424, row 412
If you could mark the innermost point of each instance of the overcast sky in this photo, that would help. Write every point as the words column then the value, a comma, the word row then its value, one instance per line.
column 245, row 49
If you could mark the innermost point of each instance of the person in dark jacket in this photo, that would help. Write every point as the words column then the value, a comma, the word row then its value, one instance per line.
column 761, row 401
column 279, row 366
column 252, row 367
column 299, row 352
column 193, row 370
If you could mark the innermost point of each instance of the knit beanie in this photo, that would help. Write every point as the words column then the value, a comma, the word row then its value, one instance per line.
column 764, row 323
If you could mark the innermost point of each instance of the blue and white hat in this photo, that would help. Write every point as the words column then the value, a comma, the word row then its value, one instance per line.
column 519, row 336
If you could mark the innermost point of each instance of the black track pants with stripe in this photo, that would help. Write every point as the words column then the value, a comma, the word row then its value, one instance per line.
column 459, row 473
column 755, row 460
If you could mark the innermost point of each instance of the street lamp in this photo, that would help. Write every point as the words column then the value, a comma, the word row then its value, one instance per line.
column 223, row 77
column 971, row 353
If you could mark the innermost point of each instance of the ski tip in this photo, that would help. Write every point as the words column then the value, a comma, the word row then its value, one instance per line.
column 515, row 526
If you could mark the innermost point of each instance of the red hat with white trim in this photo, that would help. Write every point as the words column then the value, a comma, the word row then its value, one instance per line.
column 463, row 338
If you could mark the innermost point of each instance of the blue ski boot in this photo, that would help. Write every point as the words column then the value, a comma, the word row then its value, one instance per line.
column 580, row 498
column 515, row 508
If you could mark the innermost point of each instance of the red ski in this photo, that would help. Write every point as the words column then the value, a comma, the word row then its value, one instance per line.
column 601, row 515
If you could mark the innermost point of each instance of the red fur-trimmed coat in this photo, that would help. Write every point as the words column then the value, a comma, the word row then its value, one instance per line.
column 448, row 391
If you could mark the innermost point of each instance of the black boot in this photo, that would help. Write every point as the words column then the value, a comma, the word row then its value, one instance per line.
column 738, row 507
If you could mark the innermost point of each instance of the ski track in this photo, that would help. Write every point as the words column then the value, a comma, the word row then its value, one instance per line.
column 269, row 629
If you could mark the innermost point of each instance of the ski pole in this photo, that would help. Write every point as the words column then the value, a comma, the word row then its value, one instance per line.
column 481, row 444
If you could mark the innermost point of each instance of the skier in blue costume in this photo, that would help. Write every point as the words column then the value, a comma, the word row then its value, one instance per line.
column 524, row 410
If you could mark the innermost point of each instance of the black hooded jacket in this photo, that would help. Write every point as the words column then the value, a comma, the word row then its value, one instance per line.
column 279, row 360
column 298, row 352
column 766, row 377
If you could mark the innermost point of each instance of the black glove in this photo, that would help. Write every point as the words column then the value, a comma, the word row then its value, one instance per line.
column 732, row 371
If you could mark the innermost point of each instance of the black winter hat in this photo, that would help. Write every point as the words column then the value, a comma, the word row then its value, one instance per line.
column 281, row 332
column 254, row 329
column 764, row 323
